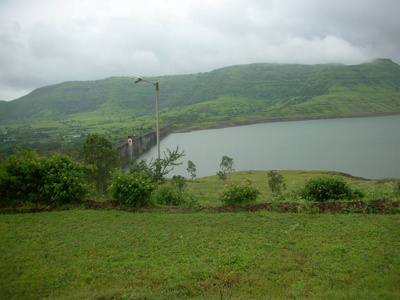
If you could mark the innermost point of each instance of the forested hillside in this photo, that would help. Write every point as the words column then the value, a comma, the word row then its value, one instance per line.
column 228, row 96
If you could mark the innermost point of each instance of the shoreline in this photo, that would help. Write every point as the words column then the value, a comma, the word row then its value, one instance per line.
column 265, row 121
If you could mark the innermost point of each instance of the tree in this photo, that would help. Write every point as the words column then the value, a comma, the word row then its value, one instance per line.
column 157, row 169
column 226, row 167
column 98, row 151
column 191, row 168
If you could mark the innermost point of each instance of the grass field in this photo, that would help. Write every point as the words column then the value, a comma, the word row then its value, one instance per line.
column 120, row 255
column 159, row 254
column 206, row 188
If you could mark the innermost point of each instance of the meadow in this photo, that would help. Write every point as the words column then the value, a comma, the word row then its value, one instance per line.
column 83, row 254
column 184, row 254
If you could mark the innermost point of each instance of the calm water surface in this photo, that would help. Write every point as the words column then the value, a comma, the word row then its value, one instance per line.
column 365, row 147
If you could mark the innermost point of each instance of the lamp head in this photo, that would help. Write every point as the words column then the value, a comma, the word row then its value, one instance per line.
column 137, row 79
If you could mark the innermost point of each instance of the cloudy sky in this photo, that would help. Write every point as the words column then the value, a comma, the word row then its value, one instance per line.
column 44, row 42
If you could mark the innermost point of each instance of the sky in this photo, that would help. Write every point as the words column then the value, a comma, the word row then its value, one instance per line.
column 44, row 42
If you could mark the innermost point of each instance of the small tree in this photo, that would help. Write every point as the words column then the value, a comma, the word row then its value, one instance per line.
column 226, row 167
column 157, row 169
column 98, row 151
column 276, row 181
column 191, row 168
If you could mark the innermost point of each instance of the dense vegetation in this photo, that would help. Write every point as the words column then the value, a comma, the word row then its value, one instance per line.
column 242, row 94
column 30, row 182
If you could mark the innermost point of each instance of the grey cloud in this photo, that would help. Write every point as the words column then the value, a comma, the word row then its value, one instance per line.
column 45, row 42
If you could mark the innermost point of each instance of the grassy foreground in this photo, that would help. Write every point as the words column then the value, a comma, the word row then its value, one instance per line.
column 84, row 254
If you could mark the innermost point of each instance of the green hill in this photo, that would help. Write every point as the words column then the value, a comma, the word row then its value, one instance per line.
column 228, row 96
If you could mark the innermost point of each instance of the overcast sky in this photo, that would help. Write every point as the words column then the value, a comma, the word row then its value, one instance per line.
column 44, row 42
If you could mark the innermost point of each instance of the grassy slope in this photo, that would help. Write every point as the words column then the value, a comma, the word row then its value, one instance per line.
column 82, row 254
column 121, row 255
column 206, row 188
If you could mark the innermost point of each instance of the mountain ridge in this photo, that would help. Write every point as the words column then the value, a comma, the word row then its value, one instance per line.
column 229, row 95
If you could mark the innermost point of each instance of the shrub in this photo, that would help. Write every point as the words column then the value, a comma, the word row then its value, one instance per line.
column 64, row 181
column 328, row 188
column 131, row 188
column 171, row 195
column 239, row 194
column 28, row 177
column 276, row 182
column 221, row 175
column 179, row 181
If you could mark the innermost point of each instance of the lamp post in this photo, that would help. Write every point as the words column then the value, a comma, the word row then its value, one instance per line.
column 137, row 80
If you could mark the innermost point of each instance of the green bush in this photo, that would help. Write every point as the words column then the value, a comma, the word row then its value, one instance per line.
column 179, row 181
column 239, row 194
column 322, row 189
column 276, row 182
column 28, row 177
column 64, row 181
column 132, row 188
column 171, row 195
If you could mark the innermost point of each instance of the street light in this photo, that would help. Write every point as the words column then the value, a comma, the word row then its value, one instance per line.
column 137, row 80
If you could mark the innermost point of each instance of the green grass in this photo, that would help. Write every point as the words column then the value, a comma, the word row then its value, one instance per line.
column 206, row 188
column 106, row 254
column 155, row 254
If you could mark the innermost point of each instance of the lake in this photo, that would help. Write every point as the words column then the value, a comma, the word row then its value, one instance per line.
column 366, row 147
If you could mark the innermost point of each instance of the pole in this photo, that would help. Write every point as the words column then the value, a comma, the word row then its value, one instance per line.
column 137, row 80
column 157, row 121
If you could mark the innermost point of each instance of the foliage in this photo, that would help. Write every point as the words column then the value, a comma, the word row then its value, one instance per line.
column 276, row 181
column 221, row 175
column 28, row 177
column 328, row 188
column 179, row 181
column 239, row 194
column 99, row 151
column 172, row 195
column 132, row 188
column 157, row 169
column 226, row 166
column 191, row 168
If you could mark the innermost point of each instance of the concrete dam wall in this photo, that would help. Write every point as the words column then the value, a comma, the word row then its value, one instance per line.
column 137, row 144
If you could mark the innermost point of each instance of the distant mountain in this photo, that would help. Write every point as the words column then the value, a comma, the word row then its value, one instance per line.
column 227, row 96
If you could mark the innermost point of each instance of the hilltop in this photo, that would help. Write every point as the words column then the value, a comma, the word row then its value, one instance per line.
column 234, row 95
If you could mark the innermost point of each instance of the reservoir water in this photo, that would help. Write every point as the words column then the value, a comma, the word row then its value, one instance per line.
column 366, row 147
